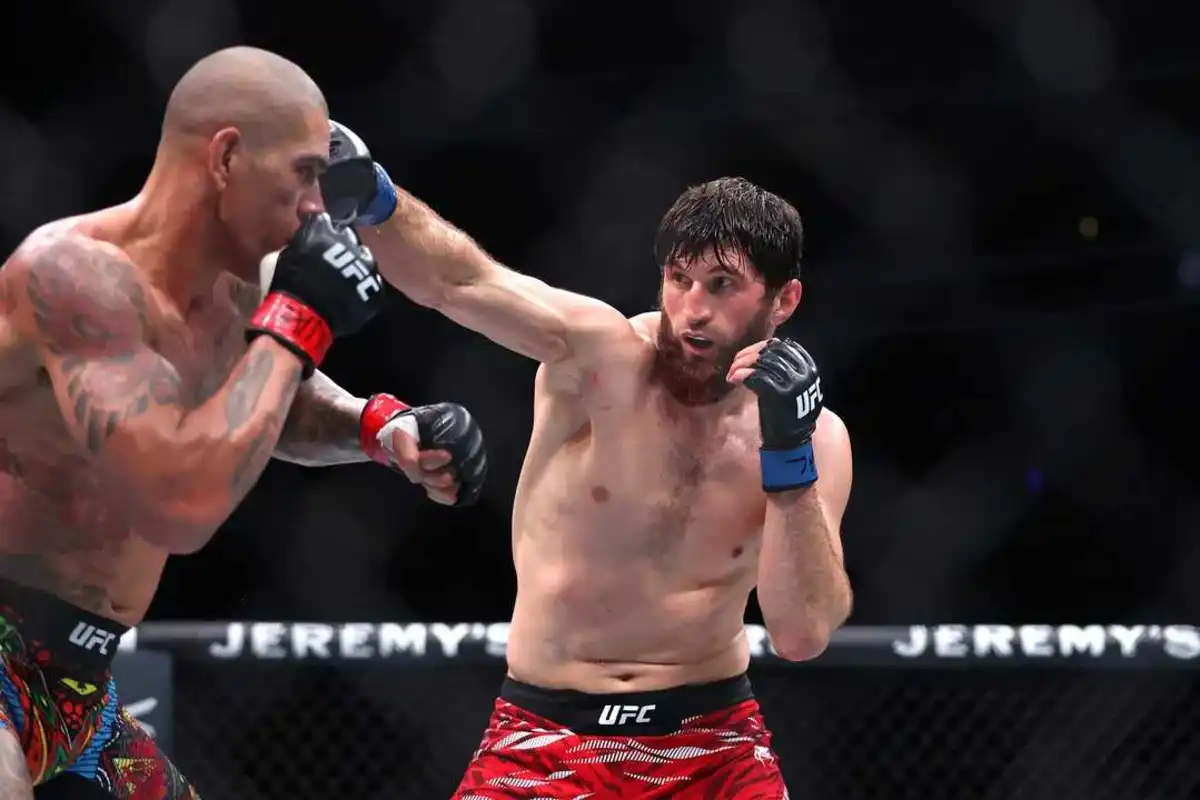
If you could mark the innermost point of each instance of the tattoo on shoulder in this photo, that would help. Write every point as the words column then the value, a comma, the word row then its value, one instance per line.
column 85, row 298
column 92, row 312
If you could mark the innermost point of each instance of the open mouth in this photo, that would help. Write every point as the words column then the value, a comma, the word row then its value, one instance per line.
column 696, row 342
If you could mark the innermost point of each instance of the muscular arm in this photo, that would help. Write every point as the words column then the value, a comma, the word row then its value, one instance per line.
column 177, row 472
column 321, row 428
column 803, row 589
column 440, row 267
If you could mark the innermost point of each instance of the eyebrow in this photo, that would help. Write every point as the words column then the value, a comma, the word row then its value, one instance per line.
column 716, row 268
column 320, row 162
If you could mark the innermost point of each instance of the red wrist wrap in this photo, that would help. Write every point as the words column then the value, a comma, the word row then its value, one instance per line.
column 375, row 414
column 295, row 324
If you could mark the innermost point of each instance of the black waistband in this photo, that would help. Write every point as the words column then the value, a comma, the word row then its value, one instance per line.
column 58, row 633
column 627, row 713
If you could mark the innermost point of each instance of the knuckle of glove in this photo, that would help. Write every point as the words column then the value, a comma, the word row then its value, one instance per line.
column 349, row 185
column 329, row 270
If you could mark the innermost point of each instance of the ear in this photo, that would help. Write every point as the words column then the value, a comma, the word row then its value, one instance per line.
column 786, row 301
column 223, row 152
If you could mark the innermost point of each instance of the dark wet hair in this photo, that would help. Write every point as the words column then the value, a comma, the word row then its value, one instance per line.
column 731, row 215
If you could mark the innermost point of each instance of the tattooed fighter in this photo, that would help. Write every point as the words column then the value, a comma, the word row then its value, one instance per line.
column 145, row 383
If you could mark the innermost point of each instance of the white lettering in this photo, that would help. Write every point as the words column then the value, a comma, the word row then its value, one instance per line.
column 396, row 638
column 338, row 255
column 496, row 639
column 449, row 636
column 949, row 641
column 311, row 639
column 1127, row 638
column 89, row 637
column 266, row 640
column 993, row 640
column 623, row 715
column 1181, row 641
column 914, row 645
column 235, row 642
column 354, row 639
column 370, row 282
column 1037, row 641
column 759, row 641
column 1073, row 639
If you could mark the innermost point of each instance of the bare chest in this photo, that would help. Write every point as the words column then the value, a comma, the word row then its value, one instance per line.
column 203, row 350
column 674, row 491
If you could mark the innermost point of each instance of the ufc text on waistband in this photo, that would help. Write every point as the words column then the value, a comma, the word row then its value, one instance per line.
column 627, row 714
column 69, row 633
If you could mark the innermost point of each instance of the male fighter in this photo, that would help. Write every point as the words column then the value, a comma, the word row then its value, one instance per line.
column 145, row 383
column 656, row 493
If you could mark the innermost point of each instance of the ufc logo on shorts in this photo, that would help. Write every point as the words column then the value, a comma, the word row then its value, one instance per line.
column 343, row 258
column 807, row 400
column 622, row 715
column 89, row 637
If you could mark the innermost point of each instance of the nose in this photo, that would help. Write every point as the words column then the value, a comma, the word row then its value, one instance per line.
column 310, row 203
column 696, row 306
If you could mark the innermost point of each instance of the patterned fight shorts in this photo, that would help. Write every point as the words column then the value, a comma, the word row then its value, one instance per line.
column 687, row 743
column 57, row 695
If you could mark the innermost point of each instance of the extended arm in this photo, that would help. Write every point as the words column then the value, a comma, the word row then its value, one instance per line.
column 440, row 267
column 178, row 473
column 803, row 589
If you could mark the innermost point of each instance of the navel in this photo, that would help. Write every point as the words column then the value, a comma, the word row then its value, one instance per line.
column 737, row 551
column 600, row 494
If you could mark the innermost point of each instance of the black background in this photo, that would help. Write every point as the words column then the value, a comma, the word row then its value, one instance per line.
column 1018, row 393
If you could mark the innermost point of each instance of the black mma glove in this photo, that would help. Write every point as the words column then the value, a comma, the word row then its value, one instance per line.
column 788, row 386
column 441, row 426
column 356, row 190
column 325, row 286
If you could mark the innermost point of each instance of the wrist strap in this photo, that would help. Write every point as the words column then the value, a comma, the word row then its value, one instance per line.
column 383, row 204
column 379, row 411
column 788, row 469
column 295, row 325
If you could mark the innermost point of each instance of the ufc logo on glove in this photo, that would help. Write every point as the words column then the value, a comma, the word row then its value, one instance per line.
column 343, row 258
column 807, row 400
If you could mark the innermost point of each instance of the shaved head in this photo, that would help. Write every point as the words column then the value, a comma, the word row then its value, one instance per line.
column 263, row 95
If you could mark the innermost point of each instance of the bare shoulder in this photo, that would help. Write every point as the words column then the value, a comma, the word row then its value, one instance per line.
column 646, row 324
column 832, row 431
column 74, row 293
column 835, row 461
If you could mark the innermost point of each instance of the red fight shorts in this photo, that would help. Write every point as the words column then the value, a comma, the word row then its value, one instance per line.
column 688, row 743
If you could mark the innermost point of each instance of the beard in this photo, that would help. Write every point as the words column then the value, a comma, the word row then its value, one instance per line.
column 700, row 379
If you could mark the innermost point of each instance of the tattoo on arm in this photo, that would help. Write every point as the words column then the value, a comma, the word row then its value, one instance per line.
column 90, row 310
column 248, row 383
column 322, row 428
column 86, row 306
